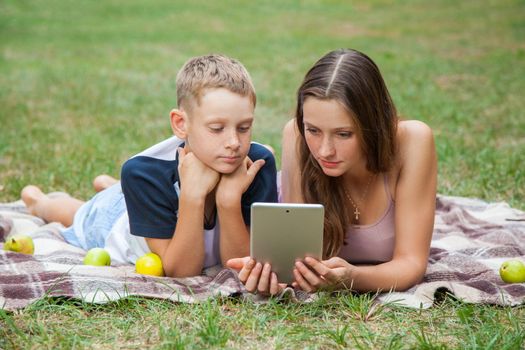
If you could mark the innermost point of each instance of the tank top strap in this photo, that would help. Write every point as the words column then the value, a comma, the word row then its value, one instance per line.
column 387, row 188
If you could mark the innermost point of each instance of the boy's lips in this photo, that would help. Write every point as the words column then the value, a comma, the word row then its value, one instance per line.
column 230, row 159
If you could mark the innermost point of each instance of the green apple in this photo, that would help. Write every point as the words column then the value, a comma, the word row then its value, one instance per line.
column 20, row 244
column 512, row 271
column 97, row 257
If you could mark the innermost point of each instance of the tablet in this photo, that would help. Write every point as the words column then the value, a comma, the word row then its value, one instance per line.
column 280, row 233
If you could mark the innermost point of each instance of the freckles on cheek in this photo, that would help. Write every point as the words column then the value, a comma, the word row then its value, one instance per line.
column 312, row 146
column 246, row 142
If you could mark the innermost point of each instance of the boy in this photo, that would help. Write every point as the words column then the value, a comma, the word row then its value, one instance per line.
column 208, row 173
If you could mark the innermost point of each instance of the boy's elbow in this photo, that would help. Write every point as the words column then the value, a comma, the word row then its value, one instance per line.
column 182, row 270
column 180, row 273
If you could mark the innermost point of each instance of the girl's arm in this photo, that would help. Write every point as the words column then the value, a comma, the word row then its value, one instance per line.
column 415, row 202
column 415, row 198
column 291, row 172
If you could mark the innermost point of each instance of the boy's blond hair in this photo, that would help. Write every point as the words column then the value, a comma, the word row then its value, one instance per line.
column 212, row 72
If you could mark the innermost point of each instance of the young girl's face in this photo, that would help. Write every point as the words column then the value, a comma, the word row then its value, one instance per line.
column 331, row 136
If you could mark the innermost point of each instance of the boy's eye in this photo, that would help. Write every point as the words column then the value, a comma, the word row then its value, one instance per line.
column 244, row 129
column 216, row 128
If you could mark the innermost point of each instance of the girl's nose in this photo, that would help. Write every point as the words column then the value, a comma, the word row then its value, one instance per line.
column 327, row 148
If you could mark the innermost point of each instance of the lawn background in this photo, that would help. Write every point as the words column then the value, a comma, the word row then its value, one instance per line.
column 86, row 84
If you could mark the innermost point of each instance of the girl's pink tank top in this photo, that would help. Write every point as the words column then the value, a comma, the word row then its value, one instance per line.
column 372, row 244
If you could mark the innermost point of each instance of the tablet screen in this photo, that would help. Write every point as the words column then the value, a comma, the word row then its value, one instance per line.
column 280, row 233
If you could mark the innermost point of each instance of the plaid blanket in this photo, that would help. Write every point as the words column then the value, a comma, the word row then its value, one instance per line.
column 471, row 239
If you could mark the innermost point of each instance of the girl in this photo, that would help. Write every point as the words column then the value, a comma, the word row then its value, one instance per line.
column 374, row 173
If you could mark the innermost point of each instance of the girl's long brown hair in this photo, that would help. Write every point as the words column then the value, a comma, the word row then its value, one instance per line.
column 351, row 78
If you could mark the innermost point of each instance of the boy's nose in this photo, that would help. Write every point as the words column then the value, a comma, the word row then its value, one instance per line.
column 233, row 141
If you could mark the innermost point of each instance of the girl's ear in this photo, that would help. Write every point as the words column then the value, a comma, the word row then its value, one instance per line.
column 179, row 123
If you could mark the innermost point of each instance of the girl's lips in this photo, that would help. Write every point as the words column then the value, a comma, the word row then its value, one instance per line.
column 327, row 164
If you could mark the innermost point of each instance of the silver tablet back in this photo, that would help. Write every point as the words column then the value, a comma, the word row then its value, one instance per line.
column 283, row 232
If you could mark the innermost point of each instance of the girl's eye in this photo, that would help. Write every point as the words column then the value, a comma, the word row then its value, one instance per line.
column 311, row 130
column 344, row 135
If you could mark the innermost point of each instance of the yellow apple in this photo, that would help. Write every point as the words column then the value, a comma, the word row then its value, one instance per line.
column 20, row 244
column 97, row 257
column 149, row 264
column 512, row 271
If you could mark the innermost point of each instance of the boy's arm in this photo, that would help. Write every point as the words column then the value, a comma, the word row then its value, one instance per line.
column 183, row 254
column 234, row 238
column 171, row 224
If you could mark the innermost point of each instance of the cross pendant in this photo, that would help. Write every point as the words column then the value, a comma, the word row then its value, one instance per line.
column 357, row 212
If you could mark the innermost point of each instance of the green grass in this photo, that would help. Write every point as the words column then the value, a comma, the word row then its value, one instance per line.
column 342, row 321
column 86, row 84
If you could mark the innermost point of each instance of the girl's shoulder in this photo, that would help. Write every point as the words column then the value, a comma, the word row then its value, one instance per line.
column 413, row 136
column 407, row 129
column 415, row 149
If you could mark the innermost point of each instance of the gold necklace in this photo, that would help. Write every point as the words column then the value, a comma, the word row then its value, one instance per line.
column 356, row 209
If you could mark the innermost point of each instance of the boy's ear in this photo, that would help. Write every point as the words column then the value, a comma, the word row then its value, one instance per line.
column 179, row 123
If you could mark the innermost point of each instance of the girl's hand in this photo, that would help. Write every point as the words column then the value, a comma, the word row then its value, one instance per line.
column 312, row 275
column 232, row 186
column 195, row 176
column 255, row 276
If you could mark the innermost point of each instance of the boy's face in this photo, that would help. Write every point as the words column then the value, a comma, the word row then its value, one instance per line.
column 219, row 129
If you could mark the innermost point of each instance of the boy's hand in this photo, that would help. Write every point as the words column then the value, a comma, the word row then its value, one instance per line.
column 232, row 186
column 196, row 178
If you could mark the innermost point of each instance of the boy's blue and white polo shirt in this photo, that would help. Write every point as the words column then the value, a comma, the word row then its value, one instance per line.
column 145, row 204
